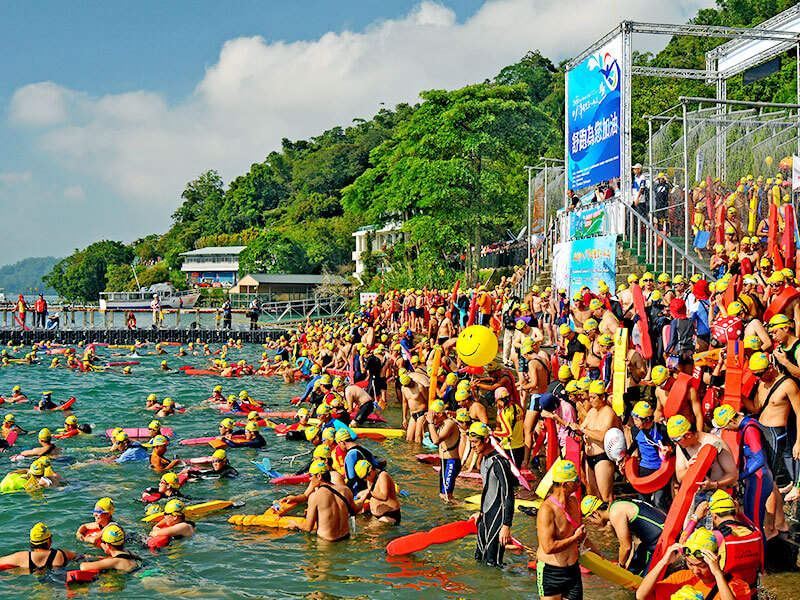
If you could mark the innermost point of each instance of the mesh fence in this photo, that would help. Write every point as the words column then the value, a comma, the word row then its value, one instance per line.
column 554, row 200
column 738, row 158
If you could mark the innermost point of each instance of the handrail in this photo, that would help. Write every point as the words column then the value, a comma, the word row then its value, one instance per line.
column 653, row 234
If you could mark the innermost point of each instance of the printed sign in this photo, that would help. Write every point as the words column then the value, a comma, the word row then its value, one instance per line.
column 585, row 262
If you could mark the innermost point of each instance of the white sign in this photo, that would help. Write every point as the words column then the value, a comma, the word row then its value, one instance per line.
column 795, row 173
column 366, row 297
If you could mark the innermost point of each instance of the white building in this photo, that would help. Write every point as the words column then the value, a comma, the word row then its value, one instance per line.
column 216, row 266
column 382, row 239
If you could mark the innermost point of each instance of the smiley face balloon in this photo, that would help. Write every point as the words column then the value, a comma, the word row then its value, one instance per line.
column 476, row 345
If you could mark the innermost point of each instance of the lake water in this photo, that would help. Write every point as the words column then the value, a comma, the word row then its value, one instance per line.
column 223, row 561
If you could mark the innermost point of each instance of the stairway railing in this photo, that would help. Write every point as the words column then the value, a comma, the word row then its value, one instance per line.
column 656, row 247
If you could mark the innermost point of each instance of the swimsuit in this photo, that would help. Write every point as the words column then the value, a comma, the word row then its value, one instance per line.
column 451, row 467
column 593, row 461
column 563, row 581
column 48, row 563
column 497, row 508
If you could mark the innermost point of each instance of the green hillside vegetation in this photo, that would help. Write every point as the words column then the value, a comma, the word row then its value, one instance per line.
column 450, row 167
column 25, row 276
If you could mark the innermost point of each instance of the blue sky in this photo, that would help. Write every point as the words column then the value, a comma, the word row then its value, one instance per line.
column 107, row 109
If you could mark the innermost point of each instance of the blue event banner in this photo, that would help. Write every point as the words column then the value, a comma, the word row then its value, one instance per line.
column 585, row 262
column 594, row 117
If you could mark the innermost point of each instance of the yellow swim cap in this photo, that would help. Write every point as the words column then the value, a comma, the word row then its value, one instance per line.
column 154, row 425
column 168, row 402
column 721, row 502
column 220, row 454
column 571, row 387
column 564, row 372
column 752, row 342
column 252, row 415
column 217, row 388
column 36, row 469
column 329, row 433
column 9, row 418
column 40, row 533
column 595, row 304
column 243, row 394
column 605, row 340
column 174, row 507
column 171, row 479
column 564, row 329
column 342, row 435
column 642, row 410
column 702, row 539
column 311, row 433
column 251, row 426
column 437, row 406
column 226, row 423
column 45, row 435
column 779, row 321
column 231, row 399
column 318, row 467
column 405, row 379
column 564, row 471
column 734, row 308
column 323, row 409
column 478, row 429
column 687, row 592
column 723, row 415
column 597, row 387
column 106, row 505
column 758, row 362
column 71, row 420
column 659, row 374
column 677, row 426
column 589, row 504
column 121, row 437
column 462, row 414
column 590, row 324
column 322, row 451
column 362, row 468
column 158, row 440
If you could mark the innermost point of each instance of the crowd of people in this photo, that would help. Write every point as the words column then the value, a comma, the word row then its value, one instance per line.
column 552, row 380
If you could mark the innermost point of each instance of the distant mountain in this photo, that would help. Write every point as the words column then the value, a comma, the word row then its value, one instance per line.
column 25, row 276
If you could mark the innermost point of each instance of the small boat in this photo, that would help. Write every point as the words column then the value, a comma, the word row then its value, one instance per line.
column 167, row 295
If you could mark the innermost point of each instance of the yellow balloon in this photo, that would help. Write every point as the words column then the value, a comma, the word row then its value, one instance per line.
column 768, row 160
column 476, row 345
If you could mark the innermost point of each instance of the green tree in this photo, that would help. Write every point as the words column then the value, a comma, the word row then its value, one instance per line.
column 83, row 275
column 447, row 166
column 273, row 252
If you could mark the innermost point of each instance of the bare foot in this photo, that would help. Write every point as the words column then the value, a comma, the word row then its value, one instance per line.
column 786, row 488
column 793, row 495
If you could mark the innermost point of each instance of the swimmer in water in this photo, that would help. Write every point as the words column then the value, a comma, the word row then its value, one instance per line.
column 158, row 463
column 103, row 512
column 112, row 542
column 329, row 507
column 175, row 524
column 167, row 408
column 17, row 395
column 42, row 556
column 46, row 447
column 381, row 492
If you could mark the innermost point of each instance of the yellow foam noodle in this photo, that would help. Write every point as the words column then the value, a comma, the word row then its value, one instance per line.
column 546, row 483
column 437, row 361
column 265, row 520
column 195, row 510
column 389, row 433
column 577, row 359
column 609, row 571
column 620, row 370
column 475, row 502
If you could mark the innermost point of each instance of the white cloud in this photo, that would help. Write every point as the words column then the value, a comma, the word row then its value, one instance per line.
column 13, row 179
column 145, row 149
column 75, row 193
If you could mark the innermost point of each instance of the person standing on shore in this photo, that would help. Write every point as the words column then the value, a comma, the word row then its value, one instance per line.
column 40, row 312
column 497, row 500
column 22, row 309
column 226, row 314
column 155, row 305
column 254, row 312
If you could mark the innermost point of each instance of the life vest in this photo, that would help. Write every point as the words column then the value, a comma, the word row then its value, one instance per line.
column 744, row 555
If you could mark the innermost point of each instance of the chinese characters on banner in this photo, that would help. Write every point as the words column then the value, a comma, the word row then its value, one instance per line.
column 585, row 262
column 593, row 117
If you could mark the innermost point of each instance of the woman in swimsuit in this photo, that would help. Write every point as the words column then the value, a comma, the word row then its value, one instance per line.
column 41, row 556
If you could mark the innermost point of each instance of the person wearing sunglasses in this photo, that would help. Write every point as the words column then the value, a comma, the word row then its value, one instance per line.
column 648, row 283
column 723, row 472
column 703, row 572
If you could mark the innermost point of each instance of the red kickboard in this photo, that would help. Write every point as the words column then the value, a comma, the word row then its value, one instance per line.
column 196, row 441
column 66, row 434
column 200, row 372
column 552, row 442
column 656, row 480
column 776, row 306
column 572, row 452
column 78, row 576
column 158, row 541
column 789, row 244
column 11, row 438
column 733, row 290
column 291, row 479
column 438, row 535
column 683, row 501
column 677, row 395
column 642, row 324
column 64, row 406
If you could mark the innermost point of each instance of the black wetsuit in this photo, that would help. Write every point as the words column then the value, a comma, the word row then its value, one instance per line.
column 497, row 508
column 647, row 526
